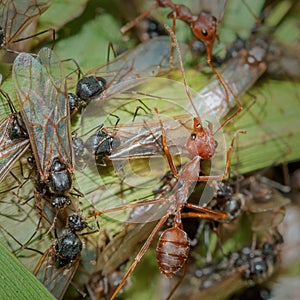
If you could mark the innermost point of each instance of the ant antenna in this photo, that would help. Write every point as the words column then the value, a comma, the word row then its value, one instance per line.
column 188, row 92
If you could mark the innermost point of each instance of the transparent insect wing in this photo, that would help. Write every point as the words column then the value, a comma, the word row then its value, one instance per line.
column 148, row 59
column 138, row 141
column 240, row 74
column 144, row 219
column 127, row 242
column 140, row 134
column 20, row 224
column 55, row 279
column 211, row 101
column 10, row 150
column 226, row 284
column 41, row 93
column 15, row 15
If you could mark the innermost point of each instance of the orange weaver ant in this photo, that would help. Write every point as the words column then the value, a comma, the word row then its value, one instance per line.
column 204, row 27
column 173, row 245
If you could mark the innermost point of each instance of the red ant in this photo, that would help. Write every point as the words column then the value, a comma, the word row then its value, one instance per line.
column 173, row 245
column 204, row 27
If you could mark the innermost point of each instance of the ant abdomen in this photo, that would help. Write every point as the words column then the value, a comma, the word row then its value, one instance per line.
column 172, row 250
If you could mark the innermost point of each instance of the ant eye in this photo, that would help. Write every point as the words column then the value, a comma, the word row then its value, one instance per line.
column 204, row 32
column 30, row 160
column 193, row 136
column 216, row 144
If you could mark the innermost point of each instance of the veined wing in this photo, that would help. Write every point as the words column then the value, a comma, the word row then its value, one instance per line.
column 209, row 101
column 147, row 59
column 144, row 140
column 16, row 15
column 130, row 239
column 10, row 150
column 41, row 92
column 56, row 279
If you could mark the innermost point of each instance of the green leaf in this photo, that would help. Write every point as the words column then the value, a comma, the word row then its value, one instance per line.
column 272, row 124
column 17, row 282
column 60, row 13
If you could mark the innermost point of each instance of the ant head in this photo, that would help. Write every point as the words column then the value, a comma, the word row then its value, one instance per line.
column 164, row 3
column 205, row 28
column 201, row 141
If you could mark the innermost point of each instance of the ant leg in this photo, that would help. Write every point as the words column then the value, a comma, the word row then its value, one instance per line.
column 9, row 101
column 229, row 151
column 178, row 282
column 226, row 89
column 254, row 241
column 22, row 246
column 239, row 110
column 142, row 16
column 208, row 213
column 202, row 216
column 209, row 41
column 78, row 69
column 78, row 193
column 35, row 232
column 21, row 184
column 32, row 36
column 144, row 107
column 131, row 205
column 110, row 46
column 187, row 89
column 79, row 291
column 225, row 86
column 37, row 34
column 53, row 223
column 140, row 254
column 166, row 148
column 250, row 10
column 174, row 16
